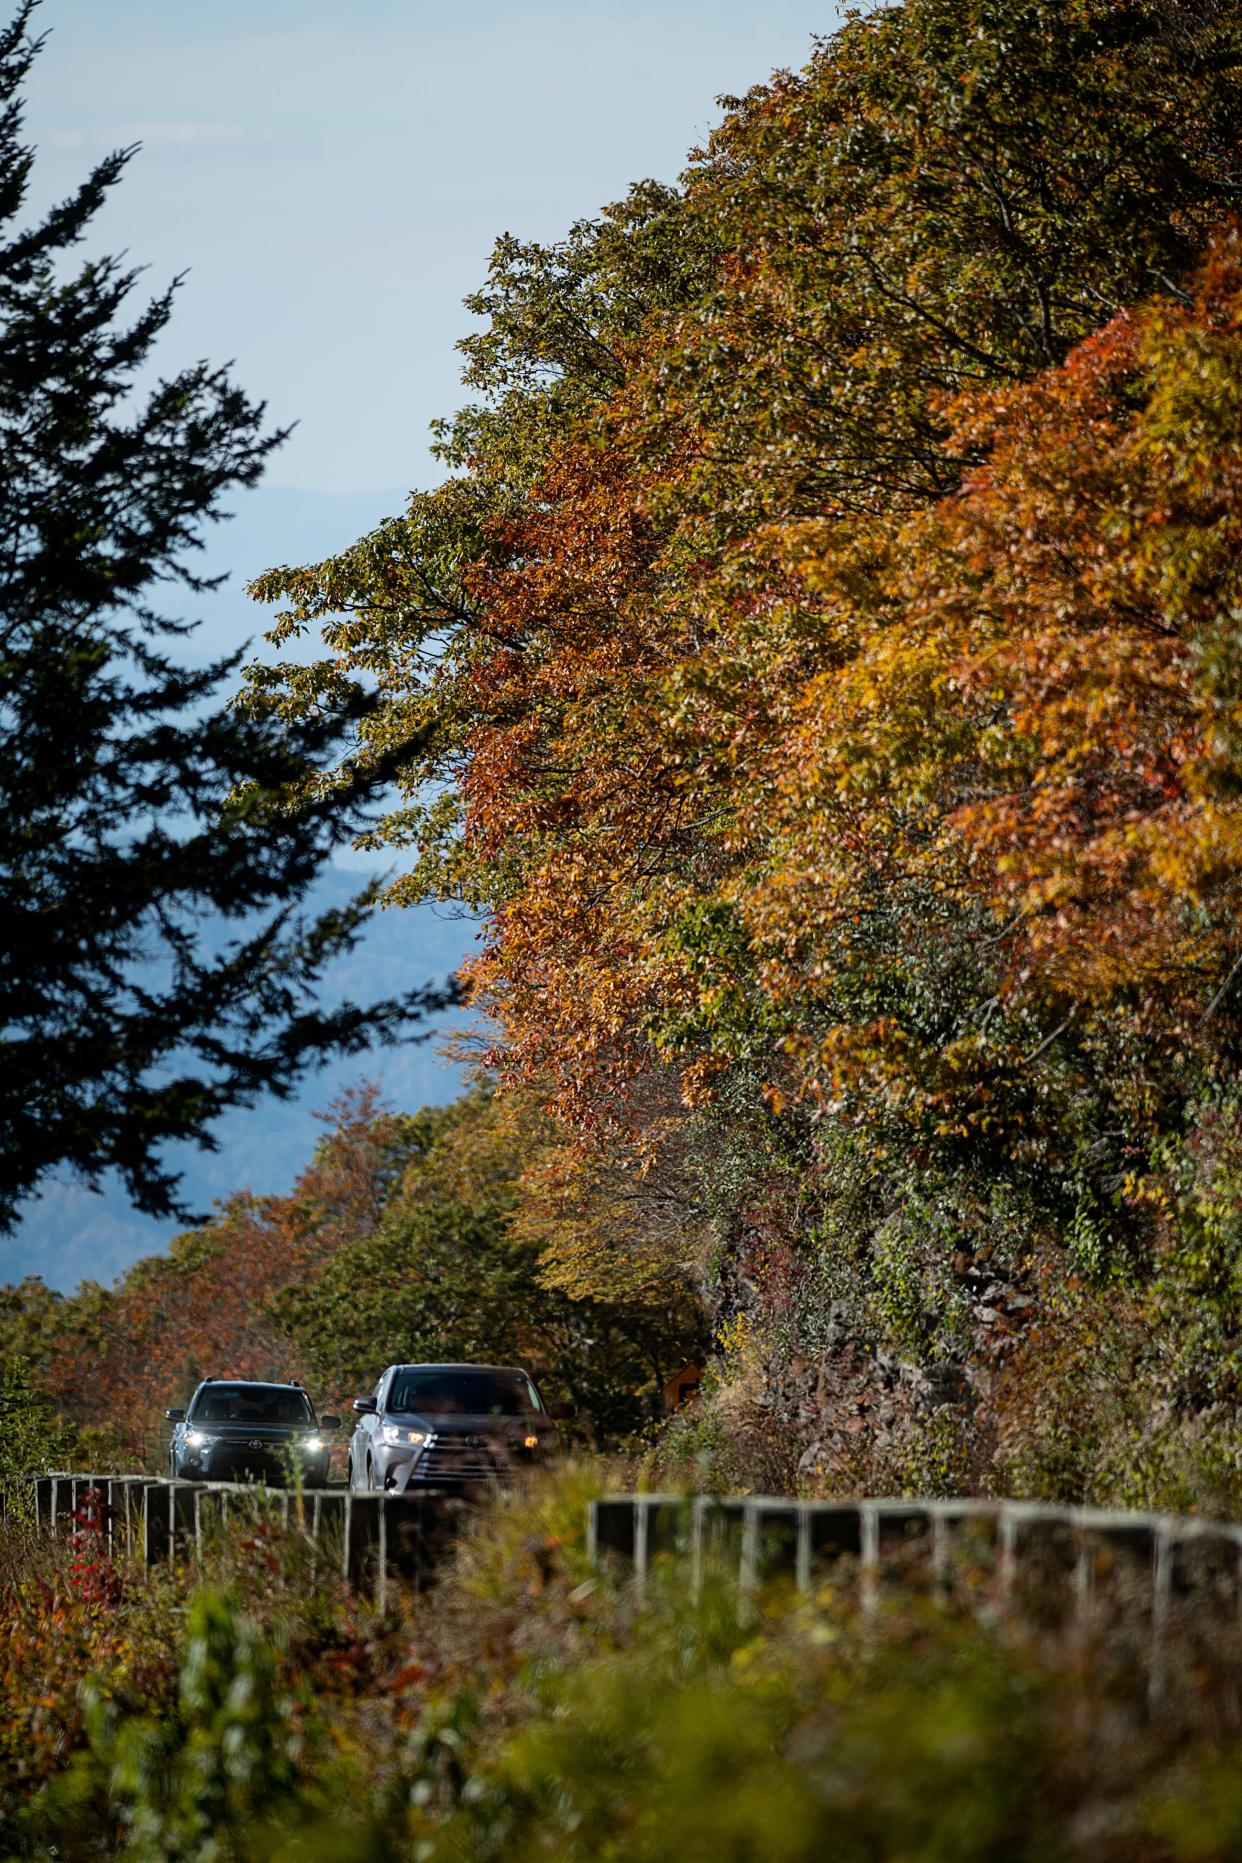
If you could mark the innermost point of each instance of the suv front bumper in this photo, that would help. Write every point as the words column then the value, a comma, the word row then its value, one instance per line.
column 238, row 1462
column 444, row 1461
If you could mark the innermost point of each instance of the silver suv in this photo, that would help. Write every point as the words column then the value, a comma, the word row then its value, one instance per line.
column 447, row 1425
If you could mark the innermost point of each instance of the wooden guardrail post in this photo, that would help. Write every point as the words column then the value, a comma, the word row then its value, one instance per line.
column 362, row 1516
column 132, row 1491
column 62, row 1501
column 328, row 1510
column 157, row 1524
column 43, row 1503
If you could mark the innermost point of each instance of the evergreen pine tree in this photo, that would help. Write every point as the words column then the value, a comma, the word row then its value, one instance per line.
column 136, row 804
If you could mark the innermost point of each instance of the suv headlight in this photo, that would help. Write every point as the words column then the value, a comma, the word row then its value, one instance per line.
column 197, row 1439
column 397, row 1433
column 311, row 1445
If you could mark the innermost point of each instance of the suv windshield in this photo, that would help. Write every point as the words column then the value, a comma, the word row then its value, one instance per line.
column 419, row 1391
column 252, row 1403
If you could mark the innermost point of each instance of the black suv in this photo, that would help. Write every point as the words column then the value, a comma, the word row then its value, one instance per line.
column 235, row 1430
column 450, row 1425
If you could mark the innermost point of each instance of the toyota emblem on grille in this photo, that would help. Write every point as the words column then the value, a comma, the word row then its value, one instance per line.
column 471, row 1442
column 255, row 1443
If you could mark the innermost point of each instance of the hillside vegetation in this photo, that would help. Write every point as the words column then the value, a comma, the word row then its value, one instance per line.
column 404, row 1238
column 826, row 646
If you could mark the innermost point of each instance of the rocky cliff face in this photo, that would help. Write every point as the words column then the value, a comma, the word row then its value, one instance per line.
column 846, row 1415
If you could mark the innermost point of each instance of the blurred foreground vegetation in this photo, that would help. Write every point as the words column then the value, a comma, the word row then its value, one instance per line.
column 250, row 1708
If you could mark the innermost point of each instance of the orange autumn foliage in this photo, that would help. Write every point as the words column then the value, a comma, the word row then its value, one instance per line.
column 1039, row 705
column 584, row 820
column 203, row 1309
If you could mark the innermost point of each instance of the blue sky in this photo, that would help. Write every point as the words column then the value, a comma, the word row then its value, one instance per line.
column 331, row 178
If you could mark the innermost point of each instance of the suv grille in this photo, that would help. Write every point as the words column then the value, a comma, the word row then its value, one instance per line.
column 456, row 1457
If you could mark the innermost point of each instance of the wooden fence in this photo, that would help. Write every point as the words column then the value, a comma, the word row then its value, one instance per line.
column 366, row 1537
column 1072, row 1554
column 1010, row 1549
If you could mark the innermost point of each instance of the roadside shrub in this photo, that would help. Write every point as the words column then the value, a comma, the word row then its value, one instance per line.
column 534, row 1705
column 32, row 1437
column 687, row 1729
column 212, row 1773
column 70, row 1613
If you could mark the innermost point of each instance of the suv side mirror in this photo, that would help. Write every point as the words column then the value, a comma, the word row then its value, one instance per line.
column 365, row 1406
column 175, row 1416
column 329, row 1423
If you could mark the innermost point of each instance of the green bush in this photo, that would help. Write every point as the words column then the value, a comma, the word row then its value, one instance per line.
column 210, row 1777
column 32, row 1437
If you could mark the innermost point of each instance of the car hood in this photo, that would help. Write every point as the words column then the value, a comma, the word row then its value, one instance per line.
column 455, row 1424
column 256, row 1432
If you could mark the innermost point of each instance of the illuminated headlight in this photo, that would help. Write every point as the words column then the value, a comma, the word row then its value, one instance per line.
column 396, row 1433
column 531, row 1442
column 311, row 1445
column 196, row 1439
